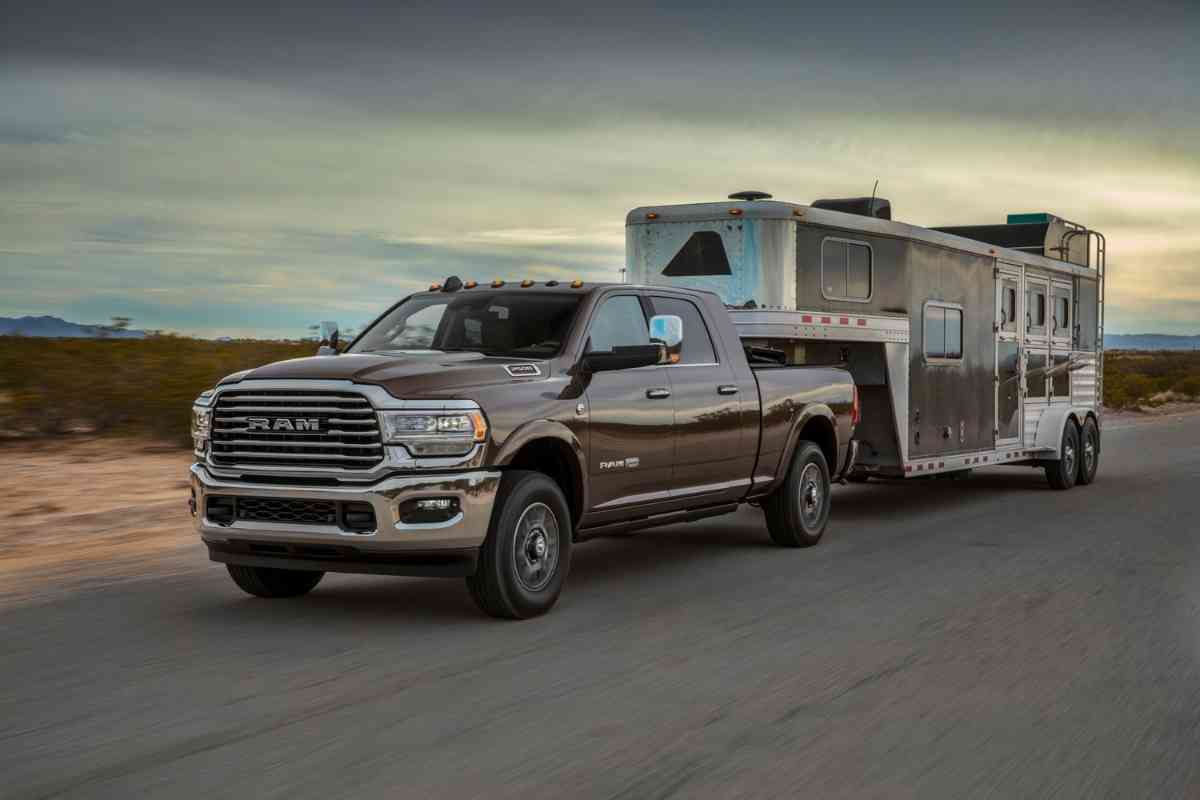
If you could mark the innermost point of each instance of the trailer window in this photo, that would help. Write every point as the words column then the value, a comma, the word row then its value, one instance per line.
column 1010, row 307
column 1062, row 311
column 702, row 254
column 943, row 332
column 846, row 270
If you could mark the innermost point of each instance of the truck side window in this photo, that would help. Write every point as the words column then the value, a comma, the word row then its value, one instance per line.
column 943, row 332
column 845, row 270
column 619, row 323
column 697, row 344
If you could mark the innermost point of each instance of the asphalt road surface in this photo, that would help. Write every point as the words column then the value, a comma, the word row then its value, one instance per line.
column 987, row 638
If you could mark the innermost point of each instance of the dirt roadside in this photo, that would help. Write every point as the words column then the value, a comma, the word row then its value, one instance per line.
column 91, row 510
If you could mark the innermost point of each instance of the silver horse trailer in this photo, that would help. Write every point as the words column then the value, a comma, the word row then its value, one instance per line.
column 971, row 346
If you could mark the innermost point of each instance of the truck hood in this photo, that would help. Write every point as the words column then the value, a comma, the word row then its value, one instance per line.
column 407, row 375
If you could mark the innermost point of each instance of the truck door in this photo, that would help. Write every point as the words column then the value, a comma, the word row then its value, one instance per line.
column 713, row 459
column 630, row 414
column 1009, row 333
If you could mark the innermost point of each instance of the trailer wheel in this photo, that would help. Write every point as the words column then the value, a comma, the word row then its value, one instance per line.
column 798, row 511
column 1089, row 456
column 1063, row 472
column 273, row 582
column 524, row 560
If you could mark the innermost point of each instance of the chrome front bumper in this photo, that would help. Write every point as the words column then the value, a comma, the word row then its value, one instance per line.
column 475, row 491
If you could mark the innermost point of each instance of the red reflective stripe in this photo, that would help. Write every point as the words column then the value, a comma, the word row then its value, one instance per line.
column 826, row 320
column 806, row 318
column 844, row 321
column 908, row 467
column 862, row 323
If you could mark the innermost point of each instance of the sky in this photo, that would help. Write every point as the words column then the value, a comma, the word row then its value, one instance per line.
column 223, row 168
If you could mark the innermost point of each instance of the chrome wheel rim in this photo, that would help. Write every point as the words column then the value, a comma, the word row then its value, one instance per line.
column 535, row 547
column 1069, row 457
column 812, row 496
column 1089, row 453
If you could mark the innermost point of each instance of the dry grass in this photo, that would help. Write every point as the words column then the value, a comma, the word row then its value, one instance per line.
column 138, row 387
column 1133, row 379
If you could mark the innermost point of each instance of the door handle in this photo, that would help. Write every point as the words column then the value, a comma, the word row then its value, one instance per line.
column 658, row 394
column 727, row 388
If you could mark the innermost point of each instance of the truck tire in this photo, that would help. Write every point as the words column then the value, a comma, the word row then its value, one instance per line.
column 272, row 582
column 1062, row 473
column 798, row 511
column 1089, row 455
column 525, row 558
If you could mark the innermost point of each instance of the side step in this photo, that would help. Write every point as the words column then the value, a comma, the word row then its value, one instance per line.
column 670, row 518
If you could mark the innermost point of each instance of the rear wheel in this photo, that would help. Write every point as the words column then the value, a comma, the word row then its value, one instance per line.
column 524, row 560
column 1062, row 473
column 1089, row 452
column 272, row 582
column 798, row 511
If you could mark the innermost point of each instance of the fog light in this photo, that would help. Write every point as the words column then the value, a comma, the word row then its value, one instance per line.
column 428, row 510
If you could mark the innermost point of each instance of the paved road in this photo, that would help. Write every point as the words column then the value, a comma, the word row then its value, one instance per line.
column 990, row 638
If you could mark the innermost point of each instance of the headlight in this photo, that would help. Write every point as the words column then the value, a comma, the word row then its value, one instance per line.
column 201, row 426
column 433, row 433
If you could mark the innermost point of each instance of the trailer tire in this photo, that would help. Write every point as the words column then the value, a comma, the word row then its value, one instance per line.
column 525, row 558
column 1089, row 452
column 1062, row 473
column 798, row 511
column 272, row 582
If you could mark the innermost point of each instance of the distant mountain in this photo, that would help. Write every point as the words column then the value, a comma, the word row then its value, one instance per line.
column 53, row 327
column 1150, row 341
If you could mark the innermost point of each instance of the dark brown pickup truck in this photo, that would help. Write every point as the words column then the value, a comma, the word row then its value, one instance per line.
column 481, row 431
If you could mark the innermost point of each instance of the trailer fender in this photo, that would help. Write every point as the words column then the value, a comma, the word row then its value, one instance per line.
column 1051, row 426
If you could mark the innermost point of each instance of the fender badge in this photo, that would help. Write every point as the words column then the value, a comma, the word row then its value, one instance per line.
column 522, row 370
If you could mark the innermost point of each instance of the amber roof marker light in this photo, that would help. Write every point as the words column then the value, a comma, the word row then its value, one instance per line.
column 576, row 284
column 496, row 284
column 525, row 284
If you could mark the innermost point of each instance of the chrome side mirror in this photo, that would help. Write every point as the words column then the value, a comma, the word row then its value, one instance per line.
column 667, row 330
column 329, row 340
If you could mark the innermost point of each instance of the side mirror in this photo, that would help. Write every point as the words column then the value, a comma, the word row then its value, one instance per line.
column 329, row 340
column 667, row 330
column 631, row 357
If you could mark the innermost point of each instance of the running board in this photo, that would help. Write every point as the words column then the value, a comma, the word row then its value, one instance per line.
column 670, row 518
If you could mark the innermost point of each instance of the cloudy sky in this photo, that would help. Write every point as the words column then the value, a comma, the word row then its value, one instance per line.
column 216, row 168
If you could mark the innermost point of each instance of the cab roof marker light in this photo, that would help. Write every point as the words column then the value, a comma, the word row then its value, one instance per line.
column 525, row 284
column 433, row 287
column 552, row 283
column 576, row 284
column 496, row 284
column 470, row 285
column 736, row 212
column 651, row 215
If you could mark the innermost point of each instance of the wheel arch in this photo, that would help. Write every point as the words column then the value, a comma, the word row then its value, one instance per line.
column 1052, row 424
column 816, row 423
column 554, row 450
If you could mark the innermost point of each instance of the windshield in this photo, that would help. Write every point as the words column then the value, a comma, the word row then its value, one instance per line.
column 518, row 324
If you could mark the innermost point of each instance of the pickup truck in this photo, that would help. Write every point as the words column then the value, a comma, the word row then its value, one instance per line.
column 483, row 430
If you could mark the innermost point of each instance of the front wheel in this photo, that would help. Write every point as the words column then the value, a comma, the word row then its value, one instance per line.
column 798, row 511
column 1062, row 473
column 272, row 582
column 524, row 560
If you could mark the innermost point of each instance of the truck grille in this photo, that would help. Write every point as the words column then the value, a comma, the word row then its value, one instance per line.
column 295, row 428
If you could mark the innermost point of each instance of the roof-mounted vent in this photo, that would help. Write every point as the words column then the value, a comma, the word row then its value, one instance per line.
column 750, row 195
column 876, row 207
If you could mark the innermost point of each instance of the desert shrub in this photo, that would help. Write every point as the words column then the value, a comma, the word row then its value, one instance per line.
column 1189, row 386
column 137, row 386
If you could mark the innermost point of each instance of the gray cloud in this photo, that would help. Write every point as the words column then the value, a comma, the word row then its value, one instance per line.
column 219, row 165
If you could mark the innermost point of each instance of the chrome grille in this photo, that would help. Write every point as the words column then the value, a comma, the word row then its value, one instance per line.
column 346, row 434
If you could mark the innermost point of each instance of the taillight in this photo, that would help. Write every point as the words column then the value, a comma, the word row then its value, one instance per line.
column 856, row 409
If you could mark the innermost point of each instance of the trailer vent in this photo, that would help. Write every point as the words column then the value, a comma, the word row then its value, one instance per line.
column 702, row 254
column 876, row 207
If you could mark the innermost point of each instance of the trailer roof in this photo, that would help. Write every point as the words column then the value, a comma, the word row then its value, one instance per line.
column 778, row 210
